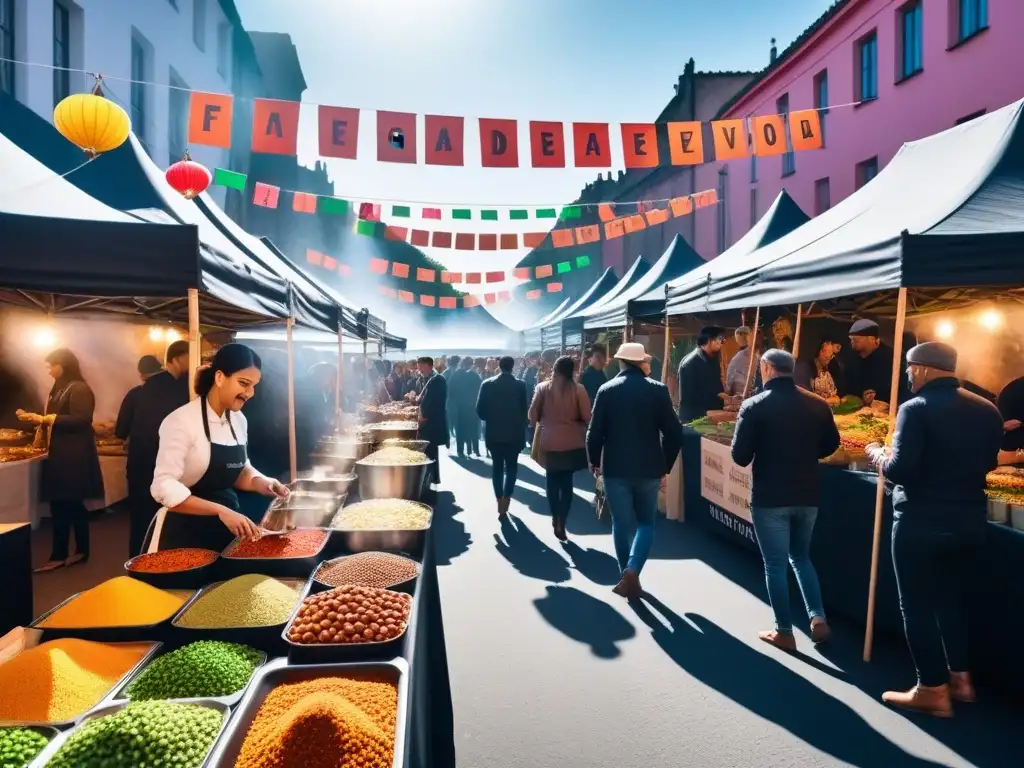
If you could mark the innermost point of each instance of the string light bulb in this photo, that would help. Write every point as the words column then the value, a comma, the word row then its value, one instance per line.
column 990, row 319
column 156, row 333
column 44, row 338
column 945, row 329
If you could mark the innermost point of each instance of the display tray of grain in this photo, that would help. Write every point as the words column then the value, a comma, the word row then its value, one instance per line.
column 385, row 570
column 320, row 716
column 57, row 682
column 186, row 568
column 292, row 554
column 121, row 609
column 388, row 525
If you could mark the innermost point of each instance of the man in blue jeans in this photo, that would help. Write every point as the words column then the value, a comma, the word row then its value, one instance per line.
column 503, row 408
column 634, row 437
column 784, row 431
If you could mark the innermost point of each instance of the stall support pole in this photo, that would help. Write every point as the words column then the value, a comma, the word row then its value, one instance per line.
column 293, row 469
column 753, row 349
column 796, row 333
column 195, row 355
column 337, row 384
column 665, row 353
column 876, row 540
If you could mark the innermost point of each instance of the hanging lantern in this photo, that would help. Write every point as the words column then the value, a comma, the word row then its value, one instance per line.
column 188, row 178
column 91, row 122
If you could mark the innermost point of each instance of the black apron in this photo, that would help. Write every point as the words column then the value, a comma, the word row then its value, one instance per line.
column 216, row 485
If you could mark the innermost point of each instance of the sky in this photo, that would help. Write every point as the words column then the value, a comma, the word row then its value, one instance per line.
column 561, row 60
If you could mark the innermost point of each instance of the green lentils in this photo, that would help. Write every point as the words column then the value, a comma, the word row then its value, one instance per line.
column 20, row 746
column 244, row 601
column 144, row 733
column 203, row 669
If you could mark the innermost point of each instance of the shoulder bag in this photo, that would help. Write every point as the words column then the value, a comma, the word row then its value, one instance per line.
column 536, row 451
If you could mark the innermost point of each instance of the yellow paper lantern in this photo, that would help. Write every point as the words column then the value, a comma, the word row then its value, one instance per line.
column 92, row 123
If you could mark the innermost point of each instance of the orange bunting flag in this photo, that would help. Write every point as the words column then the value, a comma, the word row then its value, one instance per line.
column 545, row 270
column 396, row 137
column 562, row 238
column 474, row 278
column 681, row 206
column 427, row 301
column 330, row 263
column 656, row 216
column 420, row 237
column 275, row 126
column 554, row 287
column 451, row 277
column 769, row 135
column 379, row 266
column 425, row 275
column 465, row 241
column 265, row 195
column 509, row 242
column 406, row 296
column 533, row 295
column 209, row 119
column 444, row 140
column 533, row 239
column 441, row 240
column 730, row 139
column 705, row 198
column 521, row 273
column 588, row 234
column 490, row 298
column 314, row 257
column 345, row 270
column 495, row 277
column 547, row 145
column 606, row 212
column 398, row 234
column 614, row 228
column 686, row 143
column 499, row 143
column 399, row 270
column 504, row 296
column 388, row 291
column 634, row 223
column 805, row 130
column 591, row 146
column 487, row 242
column 639, row 145
column 470, row 301
column 303, row 202
column 338, row 129
column 447, row 302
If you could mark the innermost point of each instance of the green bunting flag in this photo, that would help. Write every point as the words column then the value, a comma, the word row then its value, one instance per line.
column 334, row 206
column 229, row 179
column 462, row 213
column 571, row 212
column 546, row 213
column 563, row 267
column 367, row 228
column 489, row 215
column 582, row 261
column 518, row 214
column 400, row 211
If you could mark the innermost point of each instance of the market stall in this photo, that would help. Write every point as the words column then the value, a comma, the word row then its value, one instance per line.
column 533, row 339
column 571, row 326
column 925, row 237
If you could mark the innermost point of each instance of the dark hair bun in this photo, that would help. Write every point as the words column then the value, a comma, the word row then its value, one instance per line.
column 230, row 359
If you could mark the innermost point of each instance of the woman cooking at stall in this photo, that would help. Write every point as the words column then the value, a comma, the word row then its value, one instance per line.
column 202, row 460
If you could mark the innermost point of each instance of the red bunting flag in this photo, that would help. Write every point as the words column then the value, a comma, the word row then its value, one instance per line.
column 431, row 213
column 521, row 273
column 554, row 287
column 545, row 270
column 379, row 266
column 330, row 263
column 338, row 129
column 275, row 126
column 314, row 257
column 562, row 238
column 613, row 229
column 420, row 237
column 447, row 302
column 533, row 295
column 591, row 147
column 444, row 140
column 396, row 137
column 425, row 275
column 470, row 301
column 406, row 296
column 265, row 195
column 398, row 234
column 473, row 278
column 588, row 234
column 547, row 145
column 209, row 119
column 441, row 240
column 509, row 242
column 490, row 298
column 451, row 277
column 399, row 270
column 465, row 241
column 487, row 242
column 495, row 277
column 499, row 143
column 533, row 239
column 426, row 300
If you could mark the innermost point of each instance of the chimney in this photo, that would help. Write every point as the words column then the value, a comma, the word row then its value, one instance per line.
column 622, row 175
column 774, row 53
column 609, row 175
column 599, row 179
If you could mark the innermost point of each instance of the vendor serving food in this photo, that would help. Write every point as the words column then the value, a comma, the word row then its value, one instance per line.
column 202, row 459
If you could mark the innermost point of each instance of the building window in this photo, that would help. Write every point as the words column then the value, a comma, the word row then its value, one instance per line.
column 822, row 196
column 7, row 46
column 178, row 107
column 909, row 51
column 972, row 116
column 867, row 63
column 753, row 206
column 223, row 49
column 199, row 23
column 789, row 158
column 866, row 171
column 61, row 53
column 139, row 95
column 973, row 18
column 821, row 99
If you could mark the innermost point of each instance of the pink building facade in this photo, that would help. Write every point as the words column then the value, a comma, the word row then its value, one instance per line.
column 911, row 69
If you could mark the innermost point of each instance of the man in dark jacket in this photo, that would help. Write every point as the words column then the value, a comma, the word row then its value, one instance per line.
column 451, row 366
column 946, row 440
column 700, row 377
column 634, row 437
column 433, row 400
column 593, row 376
column 784, row 431
column 465, row 386
column 504, row 409
column 162, row 393
column 148, row 367
column 868, row 369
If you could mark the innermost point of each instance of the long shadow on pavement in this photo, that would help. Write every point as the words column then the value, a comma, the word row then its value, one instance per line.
column 451, row 538
column 528, row 554
column 771, row 690
column 599, row 567
column 585, row 619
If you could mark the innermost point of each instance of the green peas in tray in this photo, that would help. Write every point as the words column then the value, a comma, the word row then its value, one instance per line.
column 20, row 746
column 204, row 669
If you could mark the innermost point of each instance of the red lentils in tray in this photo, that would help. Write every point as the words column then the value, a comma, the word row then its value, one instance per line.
column 172, row 560
column 291, row 544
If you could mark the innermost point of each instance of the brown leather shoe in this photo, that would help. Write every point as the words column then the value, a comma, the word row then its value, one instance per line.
column 961, row 688
column 820, row 631
column 630, row 583
column 929, row 700
column 560, row 530
column 782, row 640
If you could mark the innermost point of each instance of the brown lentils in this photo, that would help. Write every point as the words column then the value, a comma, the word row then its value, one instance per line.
column 368, row 569
column 351, row 614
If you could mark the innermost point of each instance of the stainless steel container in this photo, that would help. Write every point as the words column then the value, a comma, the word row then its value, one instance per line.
column 283, row 516
column 278, row 672
column 998, row 512
column 381, row 433
column 392, row 481
column 401, row 442
column 120, row 695
column 336, row 464
column 324, row 483
column 1017, row 517
column 404, row 541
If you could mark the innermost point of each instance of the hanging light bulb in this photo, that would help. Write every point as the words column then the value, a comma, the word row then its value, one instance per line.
column 156, row 333
column 945, row 329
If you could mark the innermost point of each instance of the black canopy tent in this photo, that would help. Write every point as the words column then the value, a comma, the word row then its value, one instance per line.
column 553, row 329
column 533, row 337
column 678, row 259
column 572, row 325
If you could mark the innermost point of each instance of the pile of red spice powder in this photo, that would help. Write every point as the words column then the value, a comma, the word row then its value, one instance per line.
column 291, row 544
column 172, row 560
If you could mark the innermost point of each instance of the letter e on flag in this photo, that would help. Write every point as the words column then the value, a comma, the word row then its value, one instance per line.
column 639, row 145
column 209, row 119
column 338, row 128
column 686, row 143
column 499, row 143
column 805, row 130
column 547, row 145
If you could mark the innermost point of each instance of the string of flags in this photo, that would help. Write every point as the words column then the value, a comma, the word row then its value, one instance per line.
column 275, row 130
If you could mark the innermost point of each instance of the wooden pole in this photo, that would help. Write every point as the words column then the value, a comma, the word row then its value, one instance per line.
column 894, row 389
column 796, row 333
column 666, row 352
column 752, row 346
column 293, row 468
column 195, row 355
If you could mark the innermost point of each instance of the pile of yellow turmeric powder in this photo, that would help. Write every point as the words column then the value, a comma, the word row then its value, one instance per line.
column 118, row 602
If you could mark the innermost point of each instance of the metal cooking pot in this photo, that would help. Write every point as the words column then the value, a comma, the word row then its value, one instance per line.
column 413, row 445
column 408, row 433
column 324, row 483
column 392, row 481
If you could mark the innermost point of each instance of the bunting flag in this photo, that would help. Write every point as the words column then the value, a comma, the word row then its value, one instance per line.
column 275, row 127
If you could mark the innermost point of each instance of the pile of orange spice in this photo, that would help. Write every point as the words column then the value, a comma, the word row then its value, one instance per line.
column 117, row 602
column 304, row 543
column 172, row 560
column 327, row 722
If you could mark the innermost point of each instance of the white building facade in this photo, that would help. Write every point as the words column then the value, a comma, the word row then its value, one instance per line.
column 174, row 44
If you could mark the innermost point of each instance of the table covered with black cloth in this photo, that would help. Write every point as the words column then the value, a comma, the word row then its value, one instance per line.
column 841, row 552
column 16, row 576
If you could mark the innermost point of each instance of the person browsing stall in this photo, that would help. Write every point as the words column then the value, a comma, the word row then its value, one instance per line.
column 433, row 402
column 203, row 460
column 736, row 379
column 700, row 377
column 1011, row 405
column 148, row 366
column 594, row 376
column 504, row 409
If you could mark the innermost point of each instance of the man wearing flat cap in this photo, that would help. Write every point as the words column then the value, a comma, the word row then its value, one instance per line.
column 946, row 440
column 700, row 376
column 869, row 371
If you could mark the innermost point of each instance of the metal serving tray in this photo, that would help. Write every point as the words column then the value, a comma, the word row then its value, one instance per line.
column 330, row 653
column 278, row 567
column 324, row 483
column 118, row 696
column 408, row 586
column 54, row 746
column 191, row 579
column 386, row 540
column 122, row 634
column 48, row 732
column 279, row 673
column 63, row 724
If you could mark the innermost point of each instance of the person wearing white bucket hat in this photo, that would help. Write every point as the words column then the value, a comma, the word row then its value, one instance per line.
column 635, row 437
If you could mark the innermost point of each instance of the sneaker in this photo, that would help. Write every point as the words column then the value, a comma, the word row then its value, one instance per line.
column 935, row 701
column 781, row 640
column 961, row 688
column 820, row 631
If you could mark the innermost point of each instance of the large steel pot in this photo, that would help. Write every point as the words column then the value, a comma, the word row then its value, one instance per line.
column 323, row 482
column 400, row 442
column 392, row 481
column 334, row 463
column 380, row 434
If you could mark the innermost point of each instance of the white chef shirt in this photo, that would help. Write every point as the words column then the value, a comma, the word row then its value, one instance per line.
column 184, row 454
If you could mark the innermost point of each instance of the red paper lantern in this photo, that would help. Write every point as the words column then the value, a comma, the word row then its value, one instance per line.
column 188, row 178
